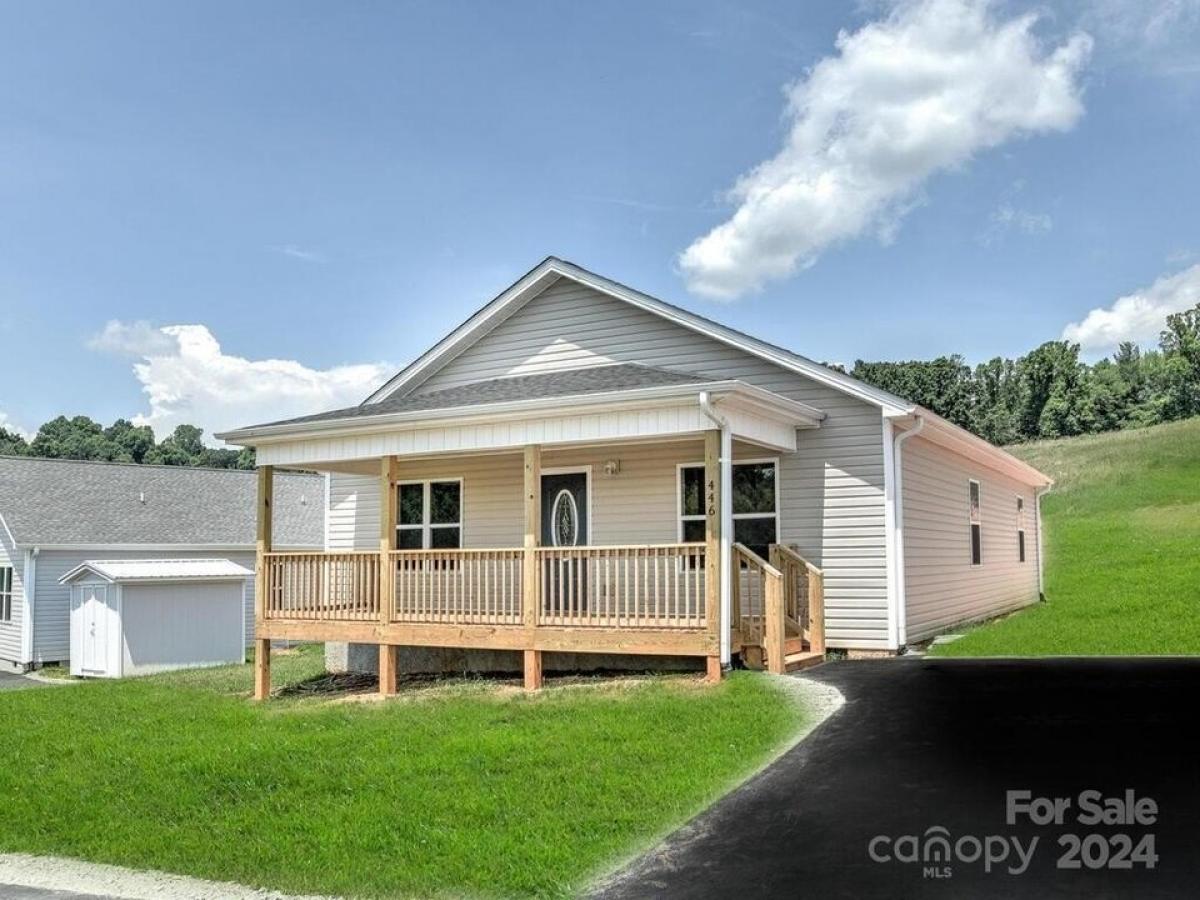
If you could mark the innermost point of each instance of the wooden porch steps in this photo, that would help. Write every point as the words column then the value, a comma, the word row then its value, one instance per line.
column 803, row 659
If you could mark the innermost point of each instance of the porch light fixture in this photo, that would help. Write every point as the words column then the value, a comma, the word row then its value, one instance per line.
column 612, row 467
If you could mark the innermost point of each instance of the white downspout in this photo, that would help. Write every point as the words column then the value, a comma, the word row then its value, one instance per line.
column 726, row 461
column 1037, row 507
column 898, row 536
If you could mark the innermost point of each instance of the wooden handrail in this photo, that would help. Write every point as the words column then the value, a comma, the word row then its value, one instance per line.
column 804, row 597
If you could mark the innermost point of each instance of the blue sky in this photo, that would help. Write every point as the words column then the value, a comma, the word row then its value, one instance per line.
column 332, row 187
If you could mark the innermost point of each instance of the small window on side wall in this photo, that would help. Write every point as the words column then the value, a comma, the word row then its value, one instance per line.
column 1021, row 529
column 6, row 593
column 976, row 521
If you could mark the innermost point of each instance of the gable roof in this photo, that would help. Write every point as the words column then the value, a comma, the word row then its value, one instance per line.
column 552, row 269
column 59, row 502
column 512, row 389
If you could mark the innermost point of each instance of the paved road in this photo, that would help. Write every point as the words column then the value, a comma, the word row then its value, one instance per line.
column 922, row 743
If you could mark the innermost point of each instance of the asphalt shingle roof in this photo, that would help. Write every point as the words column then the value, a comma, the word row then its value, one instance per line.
column 567, row 383
column 53, row 501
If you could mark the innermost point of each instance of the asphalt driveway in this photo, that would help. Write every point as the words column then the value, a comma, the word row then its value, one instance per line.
column 926, row 743
column 10, row 681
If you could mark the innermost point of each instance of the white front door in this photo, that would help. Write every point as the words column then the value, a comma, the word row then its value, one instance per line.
column 94, row 625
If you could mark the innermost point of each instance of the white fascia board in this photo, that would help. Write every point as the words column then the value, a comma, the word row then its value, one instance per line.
column 959, row 440
column 775, row 405
column 11, row 540
column 552, row 268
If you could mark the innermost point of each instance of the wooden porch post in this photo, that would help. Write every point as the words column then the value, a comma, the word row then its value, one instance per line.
column 533, row 534
column 712, row 548
column 262, row 546
column 388, row 501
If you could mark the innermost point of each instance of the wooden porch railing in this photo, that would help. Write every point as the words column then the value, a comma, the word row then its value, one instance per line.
column 322, row 586
column 775, row 600
column 803, row 595
column 656, row 586
column 467, row 587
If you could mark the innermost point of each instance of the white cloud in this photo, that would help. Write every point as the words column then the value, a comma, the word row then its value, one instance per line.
column 1137, row 317
column 1161, row 36
column 299, row 253
column 138, row 338
column 13, row 428
column 919, row 91
column 1009, row 216
column 189, row 379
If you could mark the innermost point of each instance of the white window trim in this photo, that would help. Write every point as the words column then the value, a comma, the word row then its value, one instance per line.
column 1022, row 547
column 973, row 520
column 680, row 518
column 426, row 527
column 573, row 470
column 6, row 597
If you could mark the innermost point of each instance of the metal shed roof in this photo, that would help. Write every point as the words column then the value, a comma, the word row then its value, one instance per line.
column 158, row 570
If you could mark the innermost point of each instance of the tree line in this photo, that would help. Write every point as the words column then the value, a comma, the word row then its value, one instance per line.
column 82, row 438
column 1049, row 392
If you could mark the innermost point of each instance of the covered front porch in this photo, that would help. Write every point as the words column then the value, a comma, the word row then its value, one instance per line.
column 608, row 530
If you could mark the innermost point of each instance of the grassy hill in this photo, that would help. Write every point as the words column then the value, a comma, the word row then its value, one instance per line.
column 1122, row 549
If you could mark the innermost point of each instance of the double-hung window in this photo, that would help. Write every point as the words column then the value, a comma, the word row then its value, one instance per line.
column 755, row 504
column 429, row 516
column 976, row 523
column 1021, row 529
column 6, row 593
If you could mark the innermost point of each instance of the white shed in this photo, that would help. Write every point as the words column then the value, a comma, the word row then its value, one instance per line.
column 139, row 616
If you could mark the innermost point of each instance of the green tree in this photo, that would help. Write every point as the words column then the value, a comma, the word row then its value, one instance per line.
column 12, row 444
column 1180, row 343
column 943, row 385
column 133, row 442
column 75, row 438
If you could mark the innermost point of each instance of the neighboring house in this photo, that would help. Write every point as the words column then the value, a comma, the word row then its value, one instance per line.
column 650, row 452
column 57, row 514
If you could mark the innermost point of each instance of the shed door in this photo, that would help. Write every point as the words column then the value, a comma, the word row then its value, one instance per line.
column 94, row 624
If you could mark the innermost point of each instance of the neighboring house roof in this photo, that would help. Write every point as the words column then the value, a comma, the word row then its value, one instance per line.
column 512, row 389
column 159, row 570
column 58, row 502
column 552, row 268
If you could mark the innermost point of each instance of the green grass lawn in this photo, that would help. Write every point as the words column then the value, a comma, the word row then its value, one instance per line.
column 460, row 788
column 1122, row 550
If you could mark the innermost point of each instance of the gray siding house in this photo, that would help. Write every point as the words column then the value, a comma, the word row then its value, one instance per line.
column 56, row 514
column 630, row 428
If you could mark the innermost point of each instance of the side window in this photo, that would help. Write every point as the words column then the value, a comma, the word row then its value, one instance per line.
column 976, row 523
column 6, row 593
column 1021, row 529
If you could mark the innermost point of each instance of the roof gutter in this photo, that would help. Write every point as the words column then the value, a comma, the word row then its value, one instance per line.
column 898, row 532
column 725, row 464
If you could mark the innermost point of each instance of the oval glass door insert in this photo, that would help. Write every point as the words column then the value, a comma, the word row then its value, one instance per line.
column 564, row 516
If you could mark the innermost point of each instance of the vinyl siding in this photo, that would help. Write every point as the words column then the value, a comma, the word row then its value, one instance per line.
column 10, row 632
column 831, row 489
column 52, row 618
column 942, row 588
column 170, row 626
